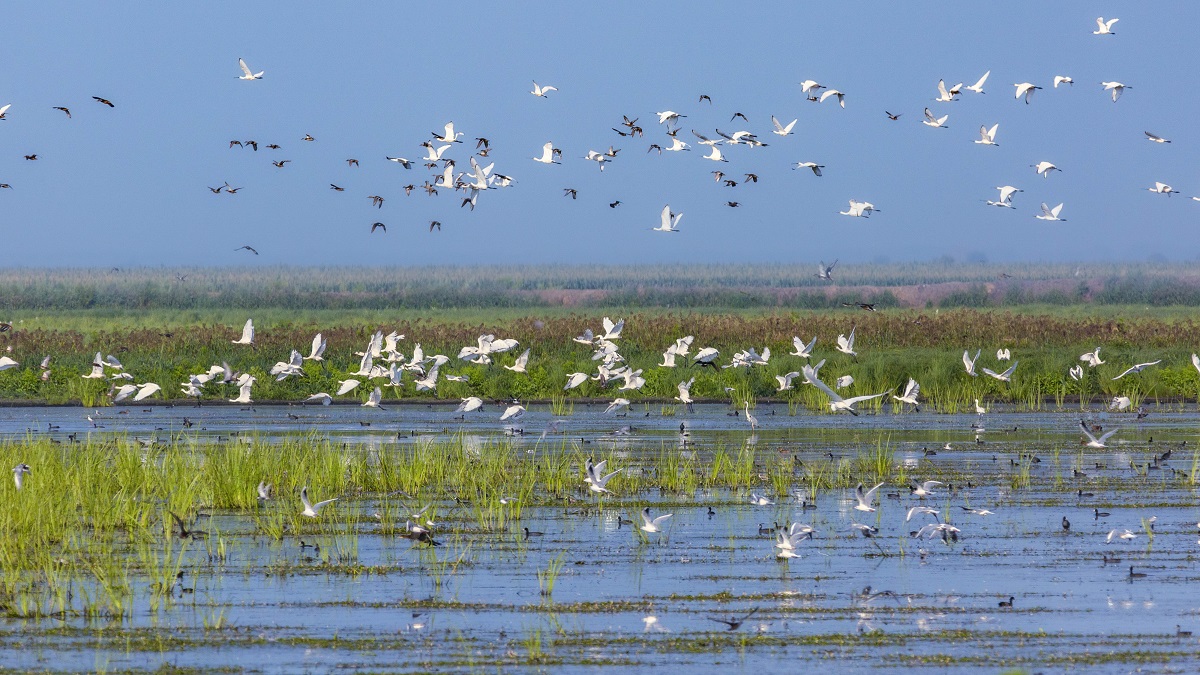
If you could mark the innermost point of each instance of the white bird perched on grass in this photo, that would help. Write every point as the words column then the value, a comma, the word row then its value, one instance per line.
column 513, row 412
column 1051, row 213
column 1076, row 373
column 521, row 362
column 1104, row 27
column 1025, row 89
column 1006, row 195
column 1155, row 138
column 1092, row 358
column 978, row 86
column 969, row 363
column 685, row 391
column 785, row 381
column 1006, row 376
column 246, row 74
column 1062, row 79
column 988, row 136
column 911, row 391
column 247, row 337
column 828, row 93
column 864, row 498
column 19, row 472
column 804, row 351
column 1044, row 168
column 1138, row 368
column 816, row 168
column 310, row 509
column 654, row 525
column 944, row 95
column 836, row 402
column 750, row 418
column 669, row 221
column 780, row 129
column 469, row 404
column 1162, row 189
column 935, row 122
column 1116, row 88
column 541, row 91
column 845, row 344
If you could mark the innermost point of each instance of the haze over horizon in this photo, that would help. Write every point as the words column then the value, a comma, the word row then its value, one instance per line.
column 127, row 185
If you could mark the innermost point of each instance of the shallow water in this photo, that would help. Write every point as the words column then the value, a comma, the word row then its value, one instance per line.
column 407, row 607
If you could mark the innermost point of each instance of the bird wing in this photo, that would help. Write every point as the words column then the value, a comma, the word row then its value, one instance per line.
column 865, row 497
column 856, row 399
column 810, row 376
column 245, row 68
column 666, row 218
column 929, row 115
column 248, row 330
column 979, row 85
column 1105, row 436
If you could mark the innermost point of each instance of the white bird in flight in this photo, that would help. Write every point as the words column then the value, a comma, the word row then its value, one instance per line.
column 1025, row 89
column 1092, row 358
column 911, row 391
column 246, row 74
column 1162, row 189
column 834, row 92
column 1006, row 194
column 836, row 402
column 1051, row 213
column 1093, row 442
column 935, row 122
column 1138, row 368
column 541, row 91
column 804, row 351
column 944, row 95
column 1116, row 88
column 668, row 116
column 970, row 362
column 669, row 221
column 1006, row 376
column 978, row 86
column 1155, row 138
column 864, row 498
column 547, row 155
column 1044, row 168
column 816, row 168
column 845, row 344
column 1062, row 79
column 781, row 129
column 1104, row 27
column 988, row 136
column 654, row 525
column 247, row 337
column 310, row 509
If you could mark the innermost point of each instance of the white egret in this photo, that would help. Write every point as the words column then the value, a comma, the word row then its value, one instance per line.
column 841, row 98
column 346, row 386
column 320, row 397
column 1006, row 376
column 1116, row 88
column 1092, row 358
column 911, row 391
column 617, row 403
column 750, row 418
column 1104, row 27
column 521, row 362
column 969, row 363
column 1138, row 368
column 669, row 221
column 785, row 381
column 836, row 402
column 469, row 404
column 1162, row 189
column 935, row 122
column 1062, row 79
column 1044, row 168
column 19, row 472
column 247, row 337
column 988, row 136
column 944, row 95
column 780, row 129
column 1154, row 138
column 685, row 391
column 804, row 351
column 574, row 380
column 1076, row 373
column 925, row 489
column 1025, row 89
column 1051, row 214
column 978, row 86
column 541, row 91
column 374, row 398
column 844, row 381
column 246, row 74
column 845, row 344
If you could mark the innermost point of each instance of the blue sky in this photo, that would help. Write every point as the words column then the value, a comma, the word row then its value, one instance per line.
column 126, row 186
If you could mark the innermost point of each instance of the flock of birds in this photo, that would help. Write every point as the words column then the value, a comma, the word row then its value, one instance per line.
column 477, row 176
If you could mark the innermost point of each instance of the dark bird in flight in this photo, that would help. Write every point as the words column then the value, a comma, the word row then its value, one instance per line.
column 31, row 157
column 184, row 532
column 336, row 187
column 216, row 190
column 248, row 248
column 570, row 192
column 737, row 115
column 5, row 186
column 104, row 101
column 233, row 143
column 654, row 146
column 253, row 144
column 734, row 622
column 280, row 163
column 376, row 201
column 231, row 190
column 273, row 146
column 891, row 116
column 482, row 143
column 752, row 177
column 867, row 306
column 730, row 183
column 704, row 97
column 375, row 226
column 613, row 205
column 435, row 223
column 308, row 137
column 733, row 204
column 352, row 162
column 67, row 111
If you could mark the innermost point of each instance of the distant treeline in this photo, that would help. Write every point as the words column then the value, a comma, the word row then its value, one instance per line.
column 936, row 284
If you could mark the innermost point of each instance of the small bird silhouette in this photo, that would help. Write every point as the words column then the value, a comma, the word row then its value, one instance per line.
column 104, row 101
column 375, row 226
column 248, row 248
